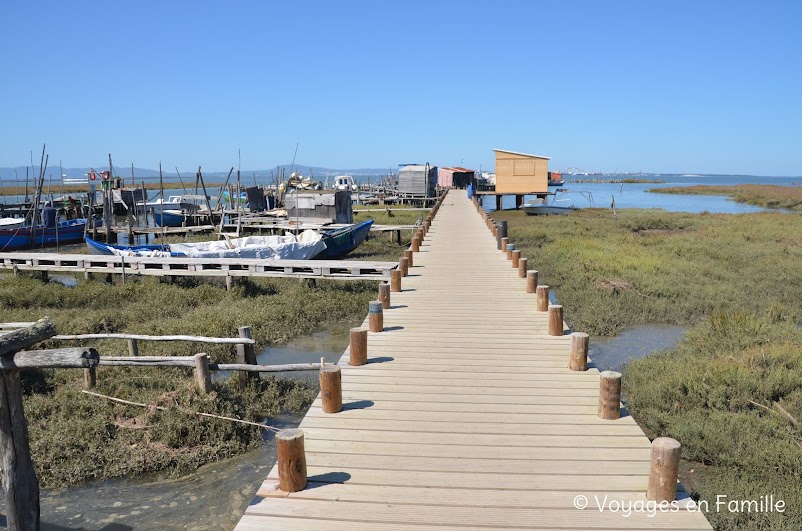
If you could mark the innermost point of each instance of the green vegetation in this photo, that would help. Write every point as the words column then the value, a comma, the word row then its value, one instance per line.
column 76, row 437
column 641, row 181
column 731, row 392
column 768, row 196
column 658, row 267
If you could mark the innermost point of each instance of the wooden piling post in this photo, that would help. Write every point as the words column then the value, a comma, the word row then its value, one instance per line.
column 516, row 259
column 556, row 320
column 501, row 232
column 229, row 282
column 663, row 470
column 331, row 389
column 384, row 295
column 522, row 264
column 543, row 298
column 610, row 395
column 376, row 316
column 403, row 266
column 415, row 246
column 578, row 359
column 504, row 242
column 510, row 250
column 531, row 281
column 408, row 254
column 203, row 373
column 358, row 348
column 133, row 347
column 291, row 460
column 90, row 378
column 19, row 477
column 395, row 281
column 245, row 355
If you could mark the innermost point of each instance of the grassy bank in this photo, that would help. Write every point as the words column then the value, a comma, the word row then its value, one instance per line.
column 730, row 390
column 76, row 437
column 768, row 196
column 658, row 267
column 731, row 393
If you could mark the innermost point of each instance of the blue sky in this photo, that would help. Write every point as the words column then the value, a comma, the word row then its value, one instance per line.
column 701, row 87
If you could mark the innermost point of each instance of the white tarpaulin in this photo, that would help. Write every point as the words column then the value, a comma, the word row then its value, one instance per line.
column 307, row 245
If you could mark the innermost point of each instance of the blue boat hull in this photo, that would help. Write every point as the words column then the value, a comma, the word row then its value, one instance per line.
column 64, row 233
column 168, row 219
column 97, row 247
column 342, row 241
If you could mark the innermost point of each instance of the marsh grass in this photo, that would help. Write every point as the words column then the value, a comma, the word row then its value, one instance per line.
column 704, row 394
column 76, row 438
column 736, row 280
column 674, row 267
column 769, row 196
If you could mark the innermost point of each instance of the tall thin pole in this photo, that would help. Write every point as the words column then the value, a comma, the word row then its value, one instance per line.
column 161, row 191
column 296, row 187
column 26, row 177
column 38, row 195
column 180, row 180
column 239, row 214
column 108, row 203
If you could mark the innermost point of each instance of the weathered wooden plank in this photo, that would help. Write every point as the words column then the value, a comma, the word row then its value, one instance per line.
column 25, row 337
column 58, row 358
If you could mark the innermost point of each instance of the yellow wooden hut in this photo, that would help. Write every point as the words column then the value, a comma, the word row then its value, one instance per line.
column 521, row 173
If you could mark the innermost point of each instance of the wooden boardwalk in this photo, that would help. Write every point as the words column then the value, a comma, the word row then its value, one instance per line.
column 466, row 416
column 203, row 267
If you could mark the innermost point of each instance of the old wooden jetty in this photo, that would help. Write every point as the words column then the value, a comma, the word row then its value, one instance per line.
column 90, row 264
column 466, row 415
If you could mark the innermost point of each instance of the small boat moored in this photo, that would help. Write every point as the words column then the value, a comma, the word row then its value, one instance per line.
column 20, row 237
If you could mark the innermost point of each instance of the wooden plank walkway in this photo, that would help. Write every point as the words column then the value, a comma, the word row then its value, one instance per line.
column 466, row 416
column 205, row 267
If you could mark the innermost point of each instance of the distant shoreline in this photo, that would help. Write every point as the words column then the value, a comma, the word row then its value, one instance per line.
column 767, row 196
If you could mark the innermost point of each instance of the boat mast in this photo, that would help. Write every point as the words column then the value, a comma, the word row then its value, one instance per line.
column 35, row 213
column 161, row 191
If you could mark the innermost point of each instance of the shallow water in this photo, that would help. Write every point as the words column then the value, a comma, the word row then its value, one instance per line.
column 635, row 195
column 213, row 497
column 613, row 353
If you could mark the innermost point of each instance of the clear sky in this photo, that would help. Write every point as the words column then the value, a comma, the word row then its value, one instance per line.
column 672, row 86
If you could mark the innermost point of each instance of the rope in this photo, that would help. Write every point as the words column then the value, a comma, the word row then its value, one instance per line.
column 162, row 408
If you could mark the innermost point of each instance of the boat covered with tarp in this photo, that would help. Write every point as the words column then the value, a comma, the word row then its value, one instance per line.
column 303, row 246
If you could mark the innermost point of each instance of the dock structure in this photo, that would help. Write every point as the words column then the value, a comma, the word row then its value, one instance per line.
column 90, row 264
column 466, row 415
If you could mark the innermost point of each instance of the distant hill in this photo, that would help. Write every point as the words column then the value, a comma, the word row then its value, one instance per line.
column 9, row 175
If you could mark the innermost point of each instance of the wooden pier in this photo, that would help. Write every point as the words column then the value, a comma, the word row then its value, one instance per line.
column 466, row 415
column 89, row 264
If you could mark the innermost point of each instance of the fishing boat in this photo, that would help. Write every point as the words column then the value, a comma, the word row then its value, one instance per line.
column 555, row 179
column 340, row 242
column 180, row 218
column 538, row 209
column 345, row 182
column 186, row 203
column 11, row 223
column 304, row 246
column 19, row 237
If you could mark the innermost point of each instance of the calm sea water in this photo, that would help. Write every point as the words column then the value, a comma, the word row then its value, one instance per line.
column 600, row 195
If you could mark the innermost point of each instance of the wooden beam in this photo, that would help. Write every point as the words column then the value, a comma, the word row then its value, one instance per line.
column 25, row 337
column 19, row 477
column 57, row 358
